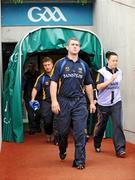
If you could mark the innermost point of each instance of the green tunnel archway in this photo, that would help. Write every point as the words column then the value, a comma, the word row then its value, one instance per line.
column 43, row 39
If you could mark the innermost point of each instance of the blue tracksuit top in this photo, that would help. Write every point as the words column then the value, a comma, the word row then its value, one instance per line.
column 72, row 78
column 43, row 85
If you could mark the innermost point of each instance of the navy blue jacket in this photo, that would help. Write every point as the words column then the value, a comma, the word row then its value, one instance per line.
column 73, row 77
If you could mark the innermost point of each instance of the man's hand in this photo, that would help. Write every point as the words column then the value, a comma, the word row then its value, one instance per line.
column 92, row 108
column 55, row 107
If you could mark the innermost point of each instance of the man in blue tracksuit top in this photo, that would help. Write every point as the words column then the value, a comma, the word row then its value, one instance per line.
column 70, row 78
column 42, row 85
column 109, row 104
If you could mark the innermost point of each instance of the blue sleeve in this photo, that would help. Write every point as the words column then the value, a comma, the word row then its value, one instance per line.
column 56, row 73
column 88, row 79
column 38, row 84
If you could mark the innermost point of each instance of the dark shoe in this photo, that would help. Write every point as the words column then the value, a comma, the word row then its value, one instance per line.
column 79, row 166
column 121, row 154
column 98, row 150
column 62, row 155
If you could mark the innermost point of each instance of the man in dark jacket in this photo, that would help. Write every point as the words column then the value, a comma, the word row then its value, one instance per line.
column 29, row 79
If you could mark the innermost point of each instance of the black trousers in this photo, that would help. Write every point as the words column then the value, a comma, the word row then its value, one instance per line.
column 73, row 110
column 115, row 112
column 47, row 117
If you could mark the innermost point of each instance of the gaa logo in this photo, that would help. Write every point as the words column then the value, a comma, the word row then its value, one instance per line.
column 36, row 14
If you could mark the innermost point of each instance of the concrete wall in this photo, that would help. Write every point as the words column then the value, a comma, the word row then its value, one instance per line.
column 15, row 34
column 114, row 23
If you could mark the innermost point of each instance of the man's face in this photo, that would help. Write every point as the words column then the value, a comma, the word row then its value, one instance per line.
column 48, row 66
column 32, row 68
column 73, row 47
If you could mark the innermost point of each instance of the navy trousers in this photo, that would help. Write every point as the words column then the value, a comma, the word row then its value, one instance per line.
column 47, row 117
column 73, row 111
column 115, row 112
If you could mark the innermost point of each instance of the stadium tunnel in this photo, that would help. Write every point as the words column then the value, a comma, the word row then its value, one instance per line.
column 44, row 41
